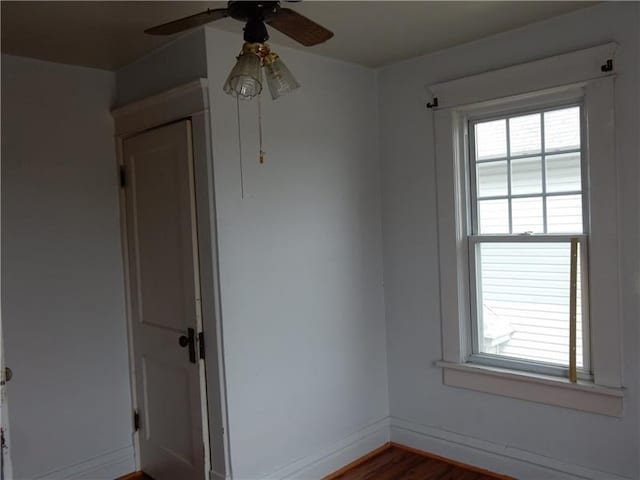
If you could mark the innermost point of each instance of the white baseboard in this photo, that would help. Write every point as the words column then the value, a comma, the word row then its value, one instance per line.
column 335, row 456
column 497, row 458
column 107, row 466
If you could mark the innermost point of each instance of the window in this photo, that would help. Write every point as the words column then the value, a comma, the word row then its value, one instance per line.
column 528, row 200
column 525, row 165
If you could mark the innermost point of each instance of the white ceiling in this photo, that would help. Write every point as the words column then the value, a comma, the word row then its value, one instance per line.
column 109, row 35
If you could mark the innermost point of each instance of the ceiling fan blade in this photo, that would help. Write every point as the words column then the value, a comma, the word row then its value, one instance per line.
column 300, row 28
column 187, row 22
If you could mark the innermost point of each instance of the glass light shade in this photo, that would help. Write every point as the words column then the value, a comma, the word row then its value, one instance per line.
column 279, row 78
column 244, row 79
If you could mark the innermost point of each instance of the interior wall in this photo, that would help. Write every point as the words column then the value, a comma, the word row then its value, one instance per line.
column 174, row 64
column 418, row 397
column 299, row 241
column 63, row 307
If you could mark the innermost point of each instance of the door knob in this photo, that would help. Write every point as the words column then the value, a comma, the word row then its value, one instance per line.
column 189, row 341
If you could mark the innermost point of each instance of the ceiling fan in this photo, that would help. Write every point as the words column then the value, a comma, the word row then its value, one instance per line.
column 255, row 14
column 245, row 80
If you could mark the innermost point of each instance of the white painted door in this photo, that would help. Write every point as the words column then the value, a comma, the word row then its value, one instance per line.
column 165, row 301
column 6, row 471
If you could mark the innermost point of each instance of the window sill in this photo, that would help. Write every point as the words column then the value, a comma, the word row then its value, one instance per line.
column 545, row 389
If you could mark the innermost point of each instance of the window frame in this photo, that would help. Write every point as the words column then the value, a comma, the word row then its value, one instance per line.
column 474, row 237
column 563, row 78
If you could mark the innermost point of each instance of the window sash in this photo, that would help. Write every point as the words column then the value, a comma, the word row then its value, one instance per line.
column 509, row 363
column 476, row 356
column 472, row 170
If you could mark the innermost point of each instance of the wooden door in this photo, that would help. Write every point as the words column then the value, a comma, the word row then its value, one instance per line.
column 165, row 300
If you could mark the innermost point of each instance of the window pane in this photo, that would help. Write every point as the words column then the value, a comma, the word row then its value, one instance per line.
column 492, row 179
column 564, row 214
column 523, row 301
column 526, row 214
column 491, row 139
column 526, row 176
column 493, row 216
column 562, row 129
column 563, row 172
column 524, row 135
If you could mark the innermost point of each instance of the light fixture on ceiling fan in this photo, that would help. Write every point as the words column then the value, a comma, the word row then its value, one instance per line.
column 245, row 79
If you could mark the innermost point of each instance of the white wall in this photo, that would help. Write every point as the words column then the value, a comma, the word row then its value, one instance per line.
column 62, row 283
column 304, row 332
column 459, row 422
column 300, row 266
column 175, row 63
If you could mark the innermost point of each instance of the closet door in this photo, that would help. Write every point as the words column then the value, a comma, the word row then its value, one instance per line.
column 165, row 300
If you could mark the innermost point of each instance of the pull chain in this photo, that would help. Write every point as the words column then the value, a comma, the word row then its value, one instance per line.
column 240, row 148
column 260, row 130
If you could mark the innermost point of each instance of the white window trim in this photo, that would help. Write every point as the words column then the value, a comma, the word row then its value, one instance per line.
column 569, row 76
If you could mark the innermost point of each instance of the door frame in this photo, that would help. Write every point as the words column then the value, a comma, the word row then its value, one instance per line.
column 189, row 101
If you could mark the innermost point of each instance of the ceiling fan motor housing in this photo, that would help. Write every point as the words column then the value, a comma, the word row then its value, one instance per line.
column 255, row 31
column 255, row 14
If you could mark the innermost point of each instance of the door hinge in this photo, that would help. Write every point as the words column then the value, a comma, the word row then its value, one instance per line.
column 201, row 344
column 136, row 421
column 123, row 176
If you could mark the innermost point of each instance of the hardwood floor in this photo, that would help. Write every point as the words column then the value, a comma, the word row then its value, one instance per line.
column 401, row 463
column 135, row 476
column 396, row 462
